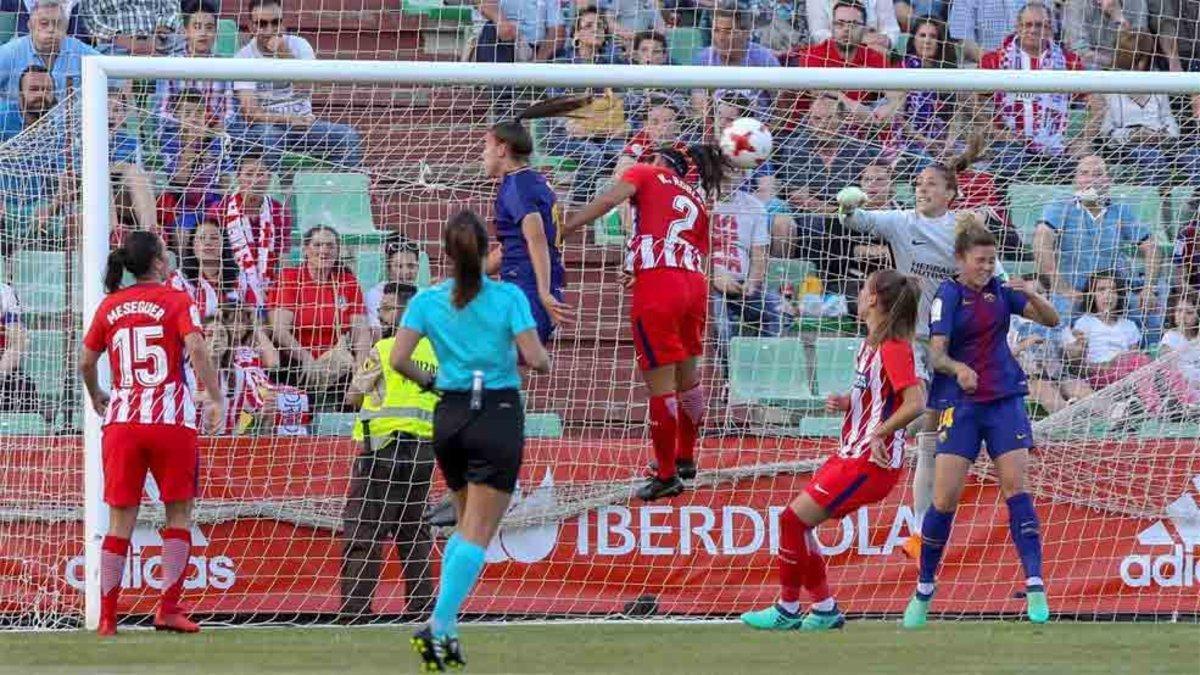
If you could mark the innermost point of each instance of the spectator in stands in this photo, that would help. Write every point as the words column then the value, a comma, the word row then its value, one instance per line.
column 982, row 25
column 732, row 46
column 36, row 98
column 741, row 239
column 35, row 188
column 207, row 271
column 403, row 262
column 1185, row 332
column 133, row 205
column 649, row 49
column 48, row 46
column 925, row 127
column 1085, row 235
column 200, row 36
column 318, row 319
column 278, row 115
column 24, row 8
column 785, row 26
column 628, row 18
column 1105, row 343
column 881, row 32
column 1031, row 128
column 908, row 11
column 1039, row 350
column 1186, row 256
column 519, row 30
column 1096, row 29
column 197, row 163
column 595, row 134
column 818, row 160
column 257, row 226
column 18, row 392
column 845, row 49
column 1139, row 130
column 133, row 27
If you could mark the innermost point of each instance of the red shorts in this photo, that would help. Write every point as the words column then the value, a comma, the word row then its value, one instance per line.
column 170, row 452
column 669, row 311
column 843, row 484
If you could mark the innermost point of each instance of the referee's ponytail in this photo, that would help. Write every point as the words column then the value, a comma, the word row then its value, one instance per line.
column 136, row 254
column 465, row 241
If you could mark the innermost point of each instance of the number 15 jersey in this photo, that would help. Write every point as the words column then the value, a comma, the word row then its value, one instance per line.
column 670, row 222
column 142, row 327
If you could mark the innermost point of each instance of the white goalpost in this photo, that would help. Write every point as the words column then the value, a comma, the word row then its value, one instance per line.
column 589, row 467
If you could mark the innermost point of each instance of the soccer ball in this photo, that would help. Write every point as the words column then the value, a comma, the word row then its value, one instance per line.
column 746, row 142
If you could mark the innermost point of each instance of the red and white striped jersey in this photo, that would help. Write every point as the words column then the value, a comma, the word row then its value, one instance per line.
column 143, row 328
column 251, row 386
column 880, row 374
column 670, row 221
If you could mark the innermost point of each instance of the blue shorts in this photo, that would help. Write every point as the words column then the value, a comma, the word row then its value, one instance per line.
column 545, row 326
column 1002, row 424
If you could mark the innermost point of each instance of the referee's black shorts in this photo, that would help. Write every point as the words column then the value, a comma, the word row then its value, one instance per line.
column 480, row 446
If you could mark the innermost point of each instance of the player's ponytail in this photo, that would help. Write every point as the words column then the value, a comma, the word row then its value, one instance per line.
column 960, row 162
column 136, row 254
column 465, row 241
column 899, row 297
column 513, row 134
column 969, row 232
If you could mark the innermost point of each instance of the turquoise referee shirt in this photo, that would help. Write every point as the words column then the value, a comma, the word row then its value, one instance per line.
column 479, row 336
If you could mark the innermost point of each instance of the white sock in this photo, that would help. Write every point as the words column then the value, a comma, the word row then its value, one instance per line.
column 826, row 605
column 1034, row 581
column 923, row 473
column 925, row 589
column 793, row 607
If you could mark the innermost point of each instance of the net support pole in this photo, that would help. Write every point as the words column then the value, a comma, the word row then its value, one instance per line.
column 94, row 250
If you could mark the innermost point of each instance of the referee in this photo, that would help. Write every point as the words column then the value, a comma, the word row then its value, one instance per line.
column 391, row 475
column 476, row 326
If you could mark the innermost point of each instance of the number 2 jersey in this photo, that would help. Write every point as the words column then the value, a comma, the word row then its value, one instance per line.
column 142, row 328
column 670, row 222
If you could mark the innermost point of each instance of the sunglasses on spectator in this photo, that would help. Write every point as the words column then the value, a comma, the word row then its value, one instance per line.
column 268, row 23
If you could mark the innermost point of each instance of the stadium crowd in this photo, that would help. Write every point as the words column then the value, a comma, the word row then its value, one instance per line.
column 1123, row 276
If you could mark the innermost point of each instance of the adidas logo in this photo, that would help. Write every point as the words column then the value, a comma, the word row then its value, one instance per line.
column 1177, row 568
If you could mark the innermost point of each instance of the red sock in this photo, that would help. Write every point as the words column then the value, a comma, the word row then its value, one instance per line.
column 815, row 581
column 664, row 422
column 691, row 405
column 112, row 567
column 176, row 549
column 793, row 555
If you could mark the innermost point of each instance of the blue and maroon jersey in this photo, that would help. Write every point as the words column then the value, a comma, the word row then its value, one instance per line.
column 976, row 323
column 521, row 193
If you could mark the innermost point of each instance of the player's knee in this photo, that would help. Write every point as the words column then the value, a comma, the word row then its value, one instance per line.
column 945, row 501
column 1011, row 485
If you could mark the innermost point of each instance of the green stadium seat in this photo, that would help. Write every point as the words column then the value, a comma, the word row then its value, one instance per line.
column 683, row 43
column 370, row 267
column 608, row 229
column 1161, row 429
column 8, row 26
column 770, row 371
column 783, row 271
column 543, row 425
column 819, row 426
column 39, row 279
column 1181, row 196
column 424, row 270
column 835, row 364
column 333, row 424
column 227, row 38
column 22, row 424
column 905, row 195
column 436, row 10
column 1026, row 202
column 45, row 360
column 340, row 200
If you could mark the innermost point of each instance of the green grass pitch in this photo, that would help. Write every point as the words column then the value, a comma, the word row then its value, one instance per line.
column 863, row 647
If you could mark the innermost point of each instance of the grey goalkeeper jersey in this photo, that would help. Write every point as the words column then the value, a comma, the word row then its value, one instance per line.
column 922, row 247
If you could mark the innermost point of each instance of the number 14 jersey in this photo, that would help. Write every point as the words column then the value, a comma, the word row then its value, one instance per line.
column 670, row 222
column 142, row 327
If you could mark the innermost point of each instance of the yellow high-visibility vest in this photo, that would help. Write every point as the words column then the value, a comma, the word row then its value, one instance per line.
column 400, row 406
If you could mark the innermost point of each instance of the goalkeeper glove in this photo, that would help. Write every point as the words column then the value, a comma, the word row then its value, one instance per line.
column 849, row 199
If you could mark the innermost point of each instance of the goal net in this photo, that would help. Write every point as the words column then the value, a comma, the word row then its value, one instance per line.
column 356, row 196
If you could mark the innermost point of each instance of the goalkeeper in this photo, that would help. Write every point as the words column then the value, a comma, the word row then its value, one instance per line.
column 922, row 244
column 391, row 475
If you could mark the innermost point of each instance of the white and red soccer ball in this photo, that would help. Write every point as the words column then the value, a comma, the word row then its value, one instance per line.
column 746, row 142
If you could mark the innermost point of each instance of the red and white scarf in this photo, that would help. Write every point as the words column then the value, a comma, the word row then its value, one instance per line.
column 254, row 252
column 1041, row 119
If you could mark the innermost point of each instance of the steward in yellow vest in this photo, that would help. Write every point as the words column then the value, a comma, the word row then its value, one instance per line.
column 391, row 476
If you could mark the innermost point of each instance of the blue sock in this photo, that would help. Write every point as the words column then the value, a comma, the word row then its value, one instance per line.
column 935, row 532
column 447, row 553
column 460, row 569
column 1026, row 533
